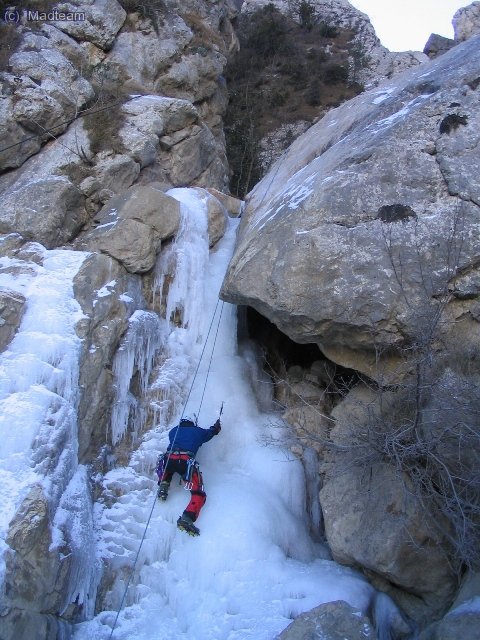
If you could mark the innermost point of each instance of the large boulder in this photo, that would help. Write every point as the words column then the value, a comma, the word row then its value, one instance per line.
column 330, row 621
column 49, row 210
column 352, row 238
column 130, row 242
column 382, row 527
column 147, row 204
column 436, row 45
column 233, row 205
column 131, row 227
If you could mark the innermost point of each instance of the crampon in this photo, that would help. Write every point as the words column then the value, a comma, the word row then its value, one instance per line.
column 185, row 524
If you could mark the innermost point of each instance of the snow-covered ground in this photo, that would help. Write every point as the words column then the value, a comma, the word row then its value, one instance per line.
column 254, row 566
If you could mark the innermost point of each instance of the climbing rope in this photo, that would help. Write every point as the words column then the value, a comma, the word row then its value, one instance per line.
column 211, row 358
column 172, row 445
column 201, row 357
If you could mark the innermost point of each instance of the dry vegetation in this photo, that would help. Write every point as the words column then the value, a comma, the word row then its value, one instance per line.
column 287, row 70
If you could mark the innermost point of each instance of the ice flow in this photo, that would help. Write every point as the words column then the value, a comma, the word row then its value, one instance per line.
column 254, row 567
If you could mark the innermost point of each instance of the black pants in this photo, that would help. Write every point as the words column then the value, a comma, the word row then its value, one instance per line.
column 178, row 463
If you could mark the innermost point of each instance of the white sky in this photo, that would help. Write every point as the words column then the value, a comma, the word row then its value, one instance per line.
column 402, row 25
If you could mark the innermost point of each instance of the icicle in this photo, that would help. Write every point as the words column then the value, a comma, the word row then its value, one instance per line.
column 137, row 352
column 186, row 290
column 261, row 382
column 74, row 531
column 312, row 480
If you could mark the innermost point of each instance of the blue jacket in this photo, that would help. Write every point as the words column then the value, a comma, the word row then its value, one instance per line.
column 190, row 438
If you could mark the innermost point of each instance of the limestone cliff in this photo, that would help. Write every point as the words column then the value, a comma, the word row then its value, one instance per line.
column 98, row 118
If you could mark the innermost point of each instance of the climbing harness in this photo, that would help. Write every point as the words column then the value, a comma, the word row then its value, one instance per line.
column 192, row 466
column 163, row 458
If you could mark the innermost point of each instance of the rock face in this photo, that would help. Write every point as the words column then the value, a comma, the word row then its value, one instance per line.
column 49, row 210
column 362, row 240
column 11, row 309
column 155, row 79
column 103, row 19
column 43, row 89
column 466, row 22
column 366, row 531
column 108, row 295
column 461, row 623
column 28, row 567
column 100, row 119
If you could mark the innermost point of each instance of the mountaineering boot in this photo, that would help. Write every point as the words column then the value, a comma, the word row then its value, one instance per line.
column 184, row 523
column 162, row 493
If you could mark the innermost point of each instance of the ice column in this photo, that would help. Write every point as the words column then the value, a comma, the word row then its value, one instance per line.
column 137, row 352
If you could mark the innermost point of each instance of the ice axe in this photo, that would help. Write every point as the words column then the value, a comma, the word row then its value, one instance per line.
column 219, row 416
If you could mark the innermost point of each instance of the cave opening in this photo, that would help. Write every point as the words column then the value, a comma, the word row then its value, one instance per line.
column 280, row 350
column 281, row 353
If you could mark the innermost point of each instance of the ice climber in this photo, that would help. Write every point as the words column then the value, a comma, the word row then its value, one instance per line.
column 185, row 440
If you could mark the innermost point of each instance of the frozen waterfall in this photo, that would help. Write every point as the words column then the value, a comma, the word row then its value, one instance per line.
column 254, row 567
column 39, row 396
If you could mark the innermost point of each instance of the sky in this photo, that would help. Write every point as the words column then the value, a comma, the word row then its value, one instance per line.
column 402, row 25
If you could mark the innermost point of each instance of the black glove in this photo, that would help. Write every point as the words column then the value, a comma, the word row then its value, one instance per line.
column 217, row 427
